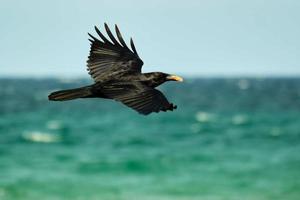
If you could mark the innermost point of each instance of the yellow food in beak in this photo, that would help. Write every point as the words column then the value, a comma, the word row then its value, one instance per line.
column 174, row 78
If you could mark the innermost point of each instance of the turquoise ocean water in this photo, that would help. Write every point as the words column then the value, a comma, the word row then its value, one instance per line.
column 229, row 139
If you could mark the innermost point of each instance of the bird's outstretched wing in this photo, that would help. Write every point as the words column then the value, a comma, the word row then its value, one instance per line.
column 111, row 58
column 139, row 97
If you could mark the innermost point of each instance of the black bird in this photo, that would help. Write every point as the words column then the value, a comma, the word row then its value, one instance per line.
column 116, row 70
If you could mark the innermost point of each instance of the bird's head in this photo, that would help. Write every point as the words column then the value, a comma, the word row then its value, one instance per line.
column 158, row 78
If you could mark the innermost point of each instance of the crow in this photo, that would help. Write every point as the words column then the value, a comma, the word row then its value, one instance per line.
column 116, row 70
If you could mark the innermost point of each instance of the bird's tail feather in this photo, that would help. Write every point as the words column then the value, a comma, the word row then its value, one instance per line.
column 65, row 95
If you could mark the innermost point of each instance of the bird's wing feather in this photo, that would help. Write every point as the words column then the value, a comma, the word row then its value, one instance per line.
column 110, row 59
column 139, row 97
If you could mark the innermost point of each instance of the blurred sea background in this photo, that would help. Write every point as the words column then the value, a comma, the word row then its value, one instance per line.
column 229, row 139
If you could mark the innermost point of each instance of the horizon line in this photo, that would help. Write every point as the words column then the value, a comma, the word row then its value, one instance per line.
column 188, row 76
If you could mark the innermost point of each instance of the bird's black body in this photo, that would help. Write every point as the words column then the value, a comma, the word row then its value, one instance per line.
column 116, row 71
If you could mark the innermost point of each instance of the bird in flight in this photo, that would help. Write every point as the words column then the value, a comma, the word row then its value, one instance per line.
column 117, row 73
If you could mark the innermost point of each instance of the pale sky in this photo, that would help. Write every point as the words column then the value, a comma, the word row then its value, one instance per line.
column 190, row 37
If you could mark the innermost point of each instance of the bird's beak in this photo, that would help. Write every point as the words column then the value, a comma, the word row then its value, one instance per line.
column 174, row 78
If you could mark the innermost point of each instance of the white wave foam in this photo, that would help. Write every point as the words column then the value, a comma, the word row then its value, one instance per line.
column 239, row 119
column 54, row 125
column 204, row 117
column 37, row 136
